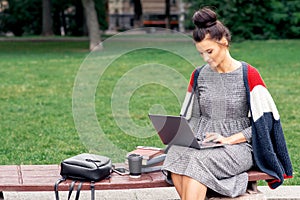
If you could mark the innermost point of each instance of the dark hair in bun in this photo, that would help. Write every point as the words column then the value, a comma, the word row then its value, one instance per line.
column 206, row 22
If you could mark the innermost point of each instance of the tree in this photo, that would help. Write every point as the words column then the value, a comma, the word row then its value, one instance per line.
column 47, row 18
column 167, row 13
column 101, row 7
column 22, row 16
column 138, row 12
column 286, row 18
column 255, row 19
column 92, row 24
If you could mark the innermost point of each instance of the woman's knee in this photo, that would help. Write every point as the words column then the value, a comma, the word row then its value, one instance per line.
column 177, row 181
column 193, row 189
column 176, row 178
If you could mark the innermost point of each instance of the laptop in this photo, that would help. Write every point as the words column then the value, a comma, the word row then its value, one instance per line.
column 175, row 130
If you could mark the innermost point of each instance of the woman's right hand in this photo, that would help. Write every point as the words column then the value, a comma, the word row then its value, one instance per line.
column 212, row 137
column 233, row 139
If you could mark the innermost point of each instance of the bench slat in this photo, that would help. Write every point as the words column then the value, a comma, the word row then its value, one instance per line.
column 255, row 175
column 43, row 177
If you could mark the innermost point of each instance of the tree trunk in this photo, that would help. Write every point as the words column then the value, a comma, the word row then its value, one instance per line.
column 168, row 26
column 47, row 19
column 79, row 18
column 92, row 24
column 181, row 16
column 138, row 13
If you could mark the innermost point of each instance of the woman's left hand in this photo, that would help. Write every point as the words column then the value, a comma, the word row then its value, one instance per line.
column 223, row 140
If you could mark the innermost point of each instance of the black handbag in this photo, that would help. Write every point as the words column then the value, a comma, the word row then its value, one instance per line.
column 84, row 167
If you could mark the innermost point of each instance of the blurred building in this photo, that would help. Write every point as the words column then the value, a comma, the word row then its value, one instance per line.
column 124, row 14
column 3, row 5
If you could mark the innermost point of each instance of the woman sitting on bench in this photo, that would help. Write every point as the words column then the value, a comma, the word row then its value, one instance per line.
column 227, row 102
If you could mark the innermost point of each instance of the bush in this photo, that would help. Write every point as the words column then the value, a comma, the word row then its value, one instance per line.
column 255, row 19
column 25, row 17
column 22, row 16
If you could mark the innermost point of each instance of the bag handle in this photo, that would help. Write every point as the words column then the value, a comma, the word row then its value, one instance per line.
column 94, row 161
column 78, row 190
column 71, row 189
column 56, row 187
column 92, row 190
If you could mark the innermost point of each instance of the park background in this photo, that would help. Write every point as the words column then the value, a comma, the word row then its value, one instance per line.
column 44, row 43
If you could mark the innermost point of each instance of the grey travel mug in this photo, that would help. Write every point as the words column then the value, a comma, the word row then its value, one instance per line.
column 135, row 165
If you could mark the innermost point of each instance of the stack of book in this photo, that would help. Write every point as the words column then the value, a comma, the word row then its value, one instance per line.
column 148, row 154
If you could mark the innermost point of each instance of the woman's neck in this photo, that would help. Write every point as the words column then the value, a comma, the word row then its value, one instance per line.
column 229, row 64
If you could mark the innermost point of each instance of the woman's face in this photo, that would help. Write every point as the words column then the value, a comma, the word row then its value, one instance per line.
column 213, row 52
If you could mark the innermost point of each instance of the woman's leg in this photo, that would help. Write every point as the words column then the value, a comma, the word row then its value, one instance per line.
column 177, row 181
column 192, row 189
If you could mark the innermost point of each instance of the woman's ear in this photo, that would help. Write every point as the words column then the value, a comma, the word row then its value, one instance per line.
column 224, row 42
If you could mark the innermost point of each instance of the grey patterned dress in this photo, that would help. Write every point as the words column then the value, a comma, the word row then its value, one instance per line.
column 223, row 109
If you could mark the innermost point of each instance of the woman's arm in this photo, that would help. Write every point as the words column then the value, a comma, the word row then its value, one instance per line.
column 243, row 136
column 233, row 139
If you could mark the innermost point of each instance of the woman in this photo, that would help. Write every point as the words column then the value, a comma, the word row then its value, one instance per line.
column 225, row 108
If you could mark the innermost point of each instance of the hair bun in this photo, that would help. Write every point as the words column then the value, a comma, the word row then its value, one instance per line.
column 204, row 18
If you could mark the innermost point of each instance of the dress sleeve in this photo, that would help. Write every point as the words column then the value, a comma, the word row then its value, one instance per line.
column 248, row 134
column 195, row 117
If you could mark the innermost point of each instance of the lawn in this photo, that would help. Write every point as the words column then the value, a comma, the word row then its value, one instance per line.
column 47, row 106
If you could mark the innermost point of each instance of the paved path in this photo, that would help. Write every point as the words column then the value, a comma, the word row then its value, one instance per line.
column 282, row 193
column 41, row 39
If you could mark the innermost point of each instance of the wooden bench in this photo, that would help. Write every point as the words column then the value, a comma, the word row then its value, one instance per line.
column 159, row 20
column 43, row 177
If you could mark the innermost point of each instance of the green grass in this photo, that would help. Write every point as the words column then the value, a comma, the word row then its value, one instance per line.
column 37, row 82
column 36, row 87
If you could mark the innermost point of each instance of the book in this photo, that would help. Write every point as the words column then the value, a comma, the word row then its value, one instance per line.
column 146, row 152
